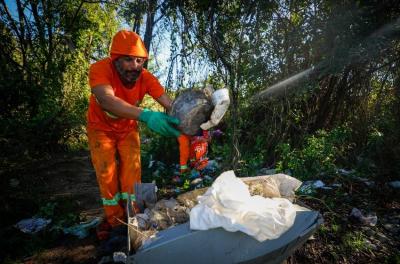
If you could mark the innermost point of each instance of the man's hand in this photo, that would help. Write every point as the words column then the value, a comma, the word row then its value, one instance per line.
column 160, row 123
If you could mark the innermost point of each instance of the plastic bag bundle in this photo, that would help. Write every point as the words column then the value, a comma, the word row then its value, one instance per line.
column 228, row 204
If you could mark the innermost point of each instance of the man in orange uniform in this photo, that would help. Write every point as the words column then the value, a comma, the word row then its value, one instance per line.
column 118, row 84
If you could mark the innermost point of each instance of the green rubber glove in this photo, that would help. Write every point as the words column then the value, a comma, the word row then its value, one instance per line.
column 160, row 123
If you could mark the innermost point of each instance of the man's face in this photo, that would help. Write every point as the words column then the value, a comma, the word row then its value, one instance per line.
column 129, row 69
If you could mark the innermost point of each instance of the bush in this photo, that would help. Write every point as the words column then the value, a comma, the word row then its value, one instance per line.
column 159, row 155
column 318, row 154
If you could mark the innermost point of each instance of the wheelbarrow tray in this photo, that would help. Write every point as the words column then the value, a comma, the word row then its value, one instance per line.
column 179, row 244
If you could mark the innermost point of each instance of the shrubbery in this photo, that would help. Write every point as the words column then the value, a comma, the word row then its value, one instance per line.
column 318, row 154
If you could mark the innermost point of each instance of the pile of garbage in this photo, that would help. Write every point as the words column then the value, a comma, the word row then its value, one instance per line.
column 164, row 214
column 167, row 213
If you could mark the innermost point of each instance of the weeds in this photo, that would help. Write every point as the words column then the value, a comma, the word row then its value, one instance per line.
column 355, row 241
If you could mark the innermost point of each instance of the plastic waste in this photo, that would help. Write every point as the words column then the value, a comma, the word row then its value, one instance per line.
column 308, row 187
column 287, row 185
column 119, row 257
column 145, row 194
column 194, row 174
column 32, row 225
column 143, row 220
column 158, row 164
column 192, row 108
column 211, row 167
column 369, row 219
column 208, row 178
column 176, row 179
column 196, row 181
column 267, row 188
column 394, row 184
column 217, row 133
column 266, row 171
column 228, row 204
column 221, row 101
column 345, row 172
column 82, row 230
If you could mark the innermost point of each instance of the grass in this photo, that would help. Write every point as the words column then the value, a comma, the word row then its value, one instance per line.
column 355, row 241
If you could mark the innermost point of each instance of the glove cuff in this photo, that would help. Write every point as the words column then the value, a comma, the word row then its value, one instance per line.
column 145, row 115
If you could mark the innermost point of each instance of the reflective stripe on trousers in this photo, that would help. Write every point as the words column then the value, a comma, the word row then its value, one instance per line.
column 117, row 197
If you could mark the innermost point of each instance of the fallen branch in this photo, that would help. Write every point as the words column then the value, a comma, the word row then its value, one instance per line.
column 319, row 200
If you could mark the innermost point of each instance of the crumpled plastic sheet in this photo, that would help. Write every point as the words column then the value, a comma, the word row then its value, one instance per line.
column 369, row 219
column 221, row 101
column 308, row 187
column 228, row 204
column 82, row 230
column 145, row 195
column 32, row 225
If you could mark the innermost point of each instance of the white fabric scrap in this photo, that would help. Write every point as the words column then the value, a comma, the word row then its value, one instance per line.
column 228, row 204
column 221, row 101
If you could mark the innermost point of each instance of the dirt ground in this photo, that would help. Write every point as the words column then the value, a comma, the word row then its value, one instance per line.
column 69, row 183
column 74, row 179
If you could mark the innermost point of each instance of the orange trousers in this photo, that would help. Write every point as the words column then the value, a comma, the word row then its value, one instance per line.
column 116, row 160
column 184, row 152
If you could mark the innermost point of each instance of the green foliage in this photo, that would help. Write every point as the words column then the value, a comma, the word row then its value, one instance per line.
column 355, row 241
column 250, row 163
column 380, row 151
column 344, row 113
column 47, row 210
column 44, row 76
column 318, row 154
column 335, row 228
column 219, row 150
column 60, row 213
column 186, row 185
column 164, row 149
column 159, row 154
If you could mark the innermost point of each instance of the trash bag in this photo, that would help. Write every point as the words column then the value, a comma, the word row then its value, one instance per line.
column 82, row 230
column 192, row 108
column 32, row 225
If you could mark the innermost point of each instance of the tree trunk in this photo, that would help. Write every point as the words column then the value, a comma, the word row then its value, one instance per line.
column 397, row 98
column 148, row 35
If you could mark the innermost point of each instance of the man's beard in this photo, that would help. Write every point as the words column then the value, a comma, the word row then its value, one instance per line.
column 127, row 77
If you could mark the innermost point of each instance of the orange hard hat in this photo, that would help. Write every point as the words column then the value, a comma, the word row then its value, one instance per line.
column 128, row 43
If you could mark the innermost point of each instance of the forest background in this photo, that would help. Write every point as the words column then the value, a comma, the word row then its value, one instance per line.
column 314, row 84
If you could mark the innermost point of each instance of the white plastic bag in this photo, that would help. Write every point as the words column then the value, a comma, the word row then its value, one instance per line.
column 220, row 99
column 228, row 204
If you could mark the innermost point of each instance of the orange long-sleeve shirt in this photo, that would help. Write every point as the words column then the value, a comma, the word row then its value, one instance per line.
column 104, row 72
